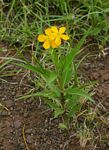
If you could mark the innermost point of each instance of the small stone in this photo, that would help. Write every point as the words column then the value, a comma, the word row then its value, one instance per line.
column 61, row 145
column 13, row 93
column 11, row 108
column 49, row 142
column 17, row 124
column 25, row 102
column 29, row 139
column 25, row 114
column 3, row 99
column 28, row 131
column 9, row 103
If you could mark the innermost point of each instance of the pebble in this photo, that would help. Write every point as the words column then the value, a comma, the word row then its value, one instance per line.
column 9, row 103
column 26, row 114
column 11, row 108
column 29, row 139
column 49, row 142
column 13, row 93
column 17, row 124
column 28, row 131
column 3, row 99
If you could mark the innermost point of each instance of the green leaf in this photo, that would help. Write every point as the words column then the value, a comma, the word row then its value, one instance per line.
column 72, row 100
column 66, row 75
column 58, row 112
column 106, row 10
column 78, row 91
column 72, row 111
column 95, row 31
column 55, row 58
column 61, row 65
column 76, row 82
column 72, row 105
column 48, row 76
column 54, row 88
column 47, row 94
column 57, row 109
column 66, row 72
column 62, row 126
column 32, row 68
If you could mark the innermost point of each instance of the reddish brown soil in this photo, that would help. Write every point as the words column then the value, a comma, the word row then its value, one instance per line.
column 40, row 129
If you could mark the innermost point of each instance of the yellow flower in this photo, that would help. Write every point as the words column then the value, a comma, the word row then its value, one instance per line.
column 47, row 38
column 58, row 34
column 52, row 37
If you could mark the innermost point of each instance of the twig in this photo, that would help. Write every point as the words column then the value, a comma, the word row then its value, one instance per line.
column 24, row 138
column 4, row 107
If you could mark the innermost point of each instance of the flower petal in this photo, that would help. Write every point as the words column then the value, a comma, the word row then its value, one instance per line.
column 52, row 36
column 48, row 31
column 65, row 37
column 46, row 44
column 58, row 40
column 54, row 29
column 53, row 44
column 62, row 30
column 41, row 38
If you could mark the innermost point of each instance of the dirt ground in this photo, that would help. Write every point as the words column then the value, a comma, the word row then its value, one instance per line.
column 29, row 125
